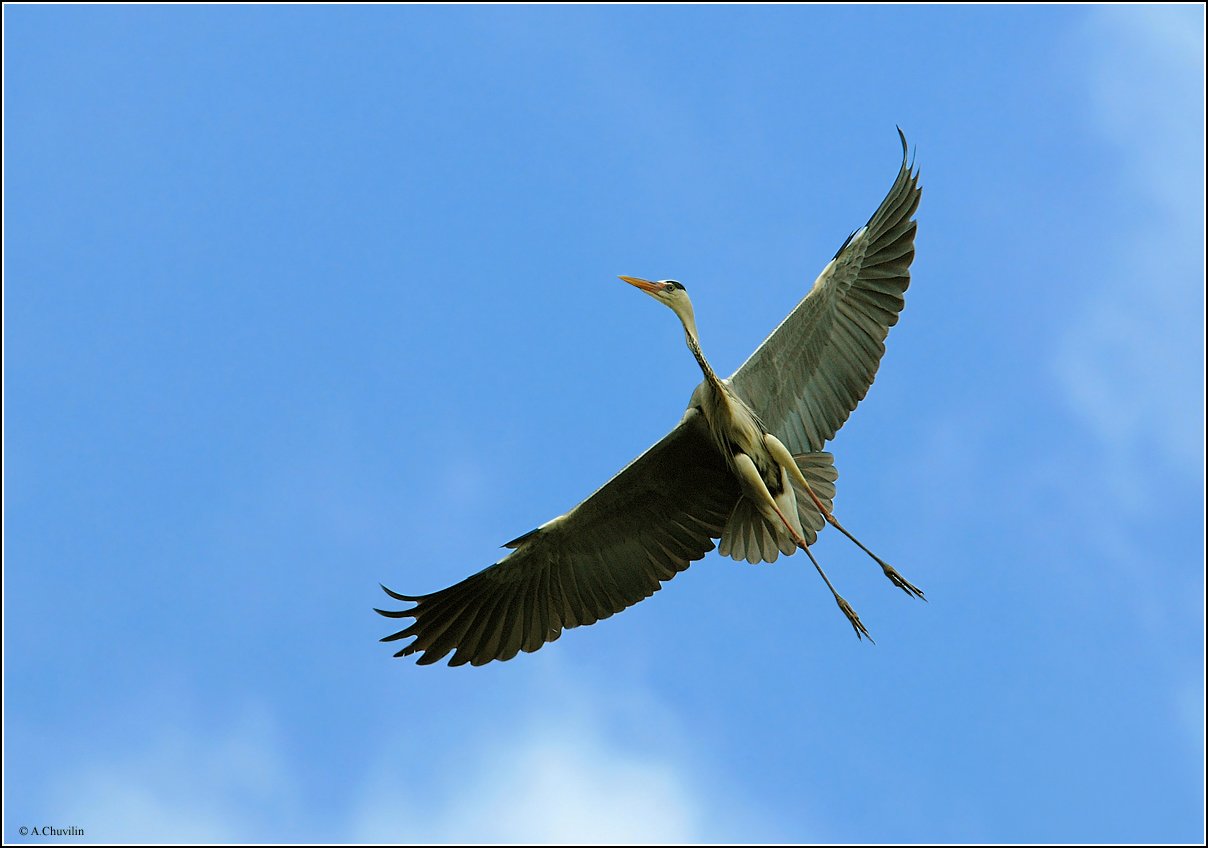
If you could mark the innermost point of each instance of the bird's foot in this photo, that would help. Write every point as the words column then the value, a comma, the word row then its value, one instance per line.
column 900, row 581
column 856, row 624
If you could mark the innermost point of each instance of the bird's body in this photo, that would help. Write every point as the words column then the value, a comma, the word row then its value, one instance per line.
column 734, row 427
column 745, row 465
column 737, row 431
column 740, row 437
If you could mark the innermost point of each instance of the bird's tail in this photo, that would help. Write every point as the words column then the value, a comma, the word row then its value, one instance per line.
column 749, row 535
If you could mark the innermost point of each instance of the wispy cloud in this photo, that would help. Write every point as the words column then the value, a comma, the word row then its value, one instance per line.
column 568, row 774
column 577, row 767
column 183, row 784
column 559, row 784
column 1131, row 364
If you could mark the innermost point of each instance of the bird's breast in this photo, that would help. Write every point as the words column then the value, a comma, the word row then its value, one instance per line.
column 735, row 430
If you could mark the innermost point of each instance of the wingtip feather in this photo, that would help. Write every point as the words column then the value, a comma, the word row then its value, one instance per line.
column 400, row 597
column 407, row 613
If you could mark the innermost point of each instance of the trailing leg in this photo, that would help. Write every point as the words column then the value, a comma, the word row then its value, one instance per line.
column 781, row 454
column 755, row 485
column 854, row 619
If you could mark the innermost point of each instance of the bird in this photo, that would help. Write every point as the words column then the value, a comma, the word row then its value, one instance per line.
column 744, row 466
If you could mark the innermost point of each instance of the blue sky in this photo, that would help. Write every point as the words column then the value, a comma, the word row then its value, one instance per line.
column 298, row 300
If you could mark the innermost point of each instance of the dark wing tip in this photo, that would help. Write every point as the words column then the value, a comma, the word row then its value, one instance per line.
column 399, row 597
column 407, row 613
column 913, row 154
column 521, row 539
column 427, row 658
column 403, row 613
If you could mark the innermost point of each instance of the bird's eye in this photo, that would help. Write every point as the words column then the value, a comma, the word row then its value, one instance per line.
column 670, row 287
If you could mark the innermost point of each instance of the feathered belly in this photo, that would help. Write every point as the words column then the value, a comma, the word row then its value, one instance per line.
column 736, row 430
column 767, row 467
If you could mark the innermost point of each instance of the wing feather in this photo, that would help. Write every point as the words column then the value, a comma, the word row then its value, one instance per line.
column 492, row 635
column 663, row 510
column 474, row 634
column 812, row 371
column 647, row 524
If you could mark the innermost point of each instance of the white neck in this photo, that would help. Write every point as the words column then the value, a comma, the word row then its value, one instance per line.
column 683, row 308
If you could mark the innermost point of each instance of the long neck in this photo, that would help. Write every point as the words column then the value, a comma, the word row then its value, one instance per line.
column 690, row 336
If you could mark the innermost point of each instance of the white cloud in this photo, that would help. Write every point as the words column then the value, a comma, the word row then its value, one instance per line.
column 578, row 767
column 555, row 784
column 1131, row 363
column 564, row 771
column 182, row 785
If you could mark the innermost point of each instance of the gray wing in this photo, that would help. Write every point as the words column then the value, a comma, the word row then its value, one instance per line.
column 808, row 376
column 641, row 528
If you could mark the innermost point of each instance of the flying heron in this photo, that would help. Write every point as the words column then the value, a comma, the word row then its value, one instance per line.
column 744, row 465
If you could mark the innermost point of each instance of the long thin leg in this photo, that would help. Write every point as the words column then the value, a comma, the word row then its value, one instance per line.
column 890, row 572
column 782, row 455
column 856, row 624
column 852, row 617
column 746, row 469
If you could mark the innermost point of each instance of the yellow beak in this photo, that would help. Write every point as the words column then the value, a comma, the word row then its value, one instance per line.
column 644, row 285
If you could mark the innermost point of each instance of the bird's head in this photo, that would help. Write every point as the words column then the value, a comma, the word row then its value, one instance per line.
column 670, row 293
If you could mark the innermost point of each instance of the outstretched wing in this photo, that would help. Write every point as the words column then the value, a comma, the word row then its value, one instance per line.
column 641, row 528
column 807, row 377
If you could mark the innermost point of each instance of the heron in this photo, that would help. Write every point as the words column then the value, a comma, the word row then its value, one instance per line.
column 744, row 466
